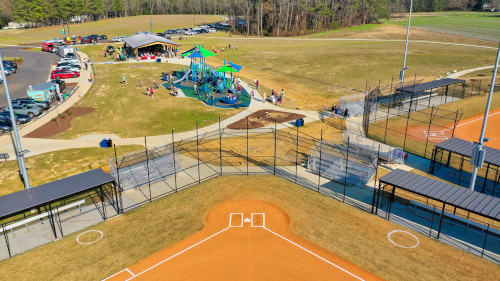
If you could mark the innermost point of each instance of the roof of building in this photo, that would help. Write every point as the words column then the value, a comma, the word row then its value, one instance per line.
column 43, row 86
column 41, row 195
column 142, row 39
column 450, row 194
column 429, row 85
column 464, row 148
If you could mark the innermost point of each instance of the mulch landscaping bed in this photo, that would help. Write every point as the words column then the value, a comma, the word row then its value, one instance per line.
column 59, row 124
column 263, row 118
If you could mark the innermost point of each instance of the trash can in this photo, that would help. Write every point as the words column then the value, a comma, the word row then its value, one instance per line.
column 109, row 143
column 298, row 122
column 158, row 59
column 301, row 121
column 103, row 143
column 164, row 78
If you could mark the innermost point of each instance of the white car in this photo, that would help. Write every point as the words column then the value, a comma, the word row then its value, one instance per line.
column 116, row 39
column 189, row 33
column 65, row 67
column 70, row 60
column 211, row 30
column 57, row 40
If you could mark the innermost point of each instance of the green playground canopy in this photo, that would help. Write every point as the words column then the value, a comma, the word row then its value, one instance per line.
column 226, row 68
column 205, row 53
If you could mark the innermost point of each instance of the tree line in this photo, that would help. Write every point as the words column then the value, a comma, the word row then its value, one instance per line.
column 255, row 17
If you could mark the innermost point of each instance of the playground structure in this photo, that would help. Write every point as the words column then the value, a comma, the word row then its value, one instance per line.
column 207, row 83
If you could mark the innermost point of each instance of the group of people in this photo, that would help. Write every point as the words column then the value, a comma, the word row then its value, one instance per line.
column 223, row 49
column 336, row 109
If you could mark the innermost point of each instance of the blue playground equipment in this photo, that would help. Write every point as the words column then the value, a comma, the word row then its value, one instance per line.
column 212, row 86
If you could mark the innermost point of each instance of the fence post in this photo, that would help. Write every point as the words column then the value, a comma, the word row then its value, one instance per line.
column 220, row 148
column 407, row 121
column 485, row 237
column 297, row 155
column 198, row 152
column 247, row 145
column 147, row 167
column 432, row 221
column 275, row 133
column 346, row 166
column 319, row 166
column 428, row 131
column 454, row 124
column 5, row 235
column 120, row 189
column 376, row 178
column 173, row 155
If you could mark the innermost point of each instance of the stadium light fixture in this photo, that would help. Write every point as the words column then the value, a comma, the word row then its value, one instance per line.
column 478, row 152
column 17, row 143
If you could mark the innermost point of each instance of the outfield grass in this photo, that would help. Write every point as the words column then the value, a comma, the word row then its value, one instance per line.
column 52, row 166
column 354, row 235
column 126, row 111
column 125, row 26
column 472, row 24
column 315, row 73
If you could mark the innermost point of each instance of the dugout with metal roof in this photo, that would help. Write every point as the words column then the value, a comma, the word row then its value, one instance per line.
column 462, row 209
column 51, row 201
column 457, row 153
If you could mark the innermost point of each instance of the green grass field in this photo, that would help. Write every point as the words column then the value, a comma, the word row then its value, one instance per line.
column 477, row 25
column 125, row 110
column 111, row 27
column 352, row 234
column 48, row 167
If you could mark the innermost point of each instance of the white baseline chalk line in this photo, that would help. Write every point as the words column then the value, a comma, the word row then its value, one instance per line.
column 477, row 119
column 125, row 269
column 167, row 259
column 314, row 254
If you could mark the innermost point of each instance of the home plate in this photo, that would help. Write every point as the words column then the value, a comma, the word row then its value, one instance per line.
column 247, row 220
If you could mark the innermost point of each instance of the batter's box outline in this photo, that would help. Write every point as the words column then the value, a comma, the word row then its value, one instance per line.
column 231, row 219
column 263, row 220
column 437, row 135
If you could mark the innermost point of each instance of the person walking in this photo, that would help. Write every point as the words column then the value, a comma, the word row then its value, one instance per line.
column 282, row 94
column 346, row 113
column 256, row 84
column 252, row 93
column 239, row 89
column 264, row 97
column 147, row 91
column 336, row 111
column 124, row 82
column 91, row 77
column 152, row 92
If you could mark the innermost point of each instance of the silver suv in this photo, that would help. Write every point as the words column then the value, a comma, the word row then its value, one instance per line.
column 26, row 109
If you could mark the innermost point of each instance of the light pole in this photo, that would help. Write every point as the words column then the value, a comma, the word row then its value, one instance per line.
column 478, row 153
column 17, row 144
column 402, row 74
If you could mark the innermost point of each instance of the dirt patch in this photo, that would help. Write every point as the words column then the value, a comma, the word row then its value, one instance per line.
column 60, row 123
column 71, row 84
column 263, row 118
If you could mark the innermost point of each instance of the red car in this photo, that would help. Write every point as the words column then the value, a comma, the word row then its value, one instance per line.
column 62, row 74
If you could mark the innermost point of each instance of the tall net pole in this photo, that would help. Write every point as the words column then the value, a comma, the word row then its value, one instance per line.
column 17, row 145
column 478, row 152
column 406, row 47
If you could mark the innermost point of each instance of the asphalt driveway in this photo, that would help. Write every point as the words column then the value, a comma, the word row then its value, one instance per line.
column 36, row 69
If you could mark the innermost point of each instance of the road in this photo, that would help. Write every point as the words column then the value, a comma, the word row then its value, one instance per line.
column 36, row 69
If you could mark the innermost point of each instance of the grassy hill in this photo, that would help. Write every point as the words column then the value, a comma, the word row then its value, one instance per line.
column 110, row 27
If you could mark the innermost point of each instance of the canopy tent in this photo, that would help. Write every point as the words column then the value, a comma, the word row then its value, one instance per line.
column 227, row 68
column 143, row 40
column 195, row 54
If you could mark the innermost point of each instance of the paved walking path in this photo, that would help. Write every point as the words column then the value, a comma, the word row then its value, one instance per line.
column 38, row 146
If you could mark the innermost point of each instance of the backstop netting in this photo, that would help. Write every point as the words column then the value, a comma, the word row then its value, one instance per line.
column 342, row 163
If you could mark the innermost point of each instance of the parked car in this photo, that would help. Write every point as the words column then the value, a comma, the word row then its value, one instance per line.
column 26, row 109
column 67, row 67
column 63, row 74
column 110, row 49
column 72, row 60
column 69, row 64
column 70, row 56
column 117, row 39
column 57, row 41
column 28, row 101
column 1, row 80
column 10, row 63
column 48, row 47
column 190, row 33
column 103, row 37
column 20, row 118
column 211, row 30
column 5, row 126
column 62, row 84
column 7, row 70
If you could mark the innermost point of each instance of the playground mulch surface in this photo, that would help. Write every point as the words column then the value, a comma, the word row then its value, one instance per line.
column 59, row 124
column 263, row 118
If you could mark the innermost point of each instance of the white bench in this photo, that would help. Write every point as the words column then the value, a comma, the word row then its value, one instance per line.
column 41, row 216
column 419, row 98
